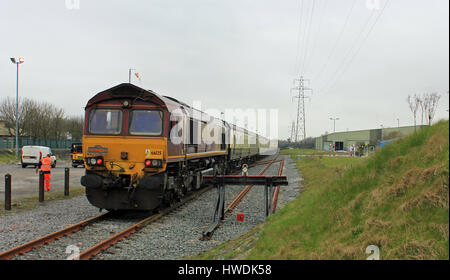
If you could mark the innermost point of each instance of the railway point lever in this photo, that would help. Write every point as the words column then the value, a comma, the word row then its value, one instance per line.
column 219, row 182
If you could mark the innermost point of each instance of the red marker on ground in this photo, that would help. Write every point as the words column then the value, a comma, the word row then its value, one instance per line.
column 240, row 217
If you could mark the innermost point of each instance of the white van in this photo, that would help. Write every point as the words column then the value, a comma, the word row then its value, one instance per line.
column 31, row 155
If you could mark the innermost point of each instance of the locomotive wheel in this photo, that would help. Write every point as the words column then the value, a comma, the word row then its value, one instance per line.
column 169, row 198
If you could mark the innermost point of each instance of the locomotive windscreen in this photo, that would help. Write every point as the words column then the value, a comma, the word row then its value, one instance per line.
column 105, row 121
column 146, row 122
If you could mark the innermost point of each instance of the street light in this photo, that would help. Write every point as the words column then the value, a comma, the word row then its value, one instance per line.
column 334, row 120
column 17, row 62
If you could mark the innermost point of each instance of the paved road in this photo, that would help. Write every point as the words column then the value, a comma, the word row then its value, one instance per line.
column 25, row 180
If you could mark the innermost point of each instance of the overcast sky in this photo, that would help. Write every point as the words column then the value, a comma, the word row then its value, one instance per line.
column 362, row 61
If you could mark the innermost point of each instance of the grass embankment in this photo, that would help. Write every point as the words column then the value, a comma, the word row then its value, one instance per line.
column 7, row 156
column 27, row 203
column 398, row 200
column 303, row 152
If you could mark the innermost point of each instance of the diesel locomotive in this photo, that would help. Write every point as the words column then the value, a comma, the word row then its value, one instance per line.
column 142, row 150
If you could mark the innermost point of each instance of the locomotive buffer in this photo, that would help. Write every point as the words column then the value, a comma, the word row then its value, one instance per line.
column 219, row 181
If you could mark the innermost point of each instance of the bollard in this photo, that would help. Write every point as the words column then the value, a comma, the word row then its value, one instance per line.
column 66, row 181
column 7, row 192
column 41, row 186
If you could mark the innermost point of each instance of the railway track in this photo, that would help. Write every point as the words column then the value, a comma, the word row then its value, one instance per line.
column 238, row 198
column 244, row 192
column 26, row 247
column 277, row 188
column 104, row 244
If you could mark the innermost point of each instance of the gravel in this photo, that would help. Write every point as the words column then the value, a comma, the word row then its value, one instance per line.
column 84, row 239
column 174, row 236
column 177, row 234
column 19, row 228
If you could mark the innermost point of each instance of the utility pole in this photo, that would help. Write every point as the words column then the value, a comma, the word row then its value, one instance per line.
column 300, row 128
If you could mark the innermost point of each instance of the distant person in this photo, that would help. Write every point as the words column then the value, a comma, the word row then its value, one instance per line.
column 361, row 150
column 46, row 168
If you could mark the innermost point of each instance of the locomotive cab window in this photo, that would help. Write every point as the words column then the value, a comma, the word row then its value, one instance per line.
column 148, row 122
column 105, row 121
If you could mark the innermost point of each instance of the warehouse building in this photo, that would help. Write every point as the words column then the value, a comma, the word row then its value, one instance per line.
column 371, row 137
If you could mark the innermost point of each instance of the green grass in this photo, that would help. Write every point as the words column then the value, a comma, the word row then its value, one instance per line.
column 302, row 152
column 28, row 203
column 398, row 200
column 7, row 157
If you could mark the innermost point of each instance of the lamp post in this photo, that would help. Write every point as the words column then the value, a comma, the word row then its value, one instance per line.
column 398, row 123
column 17, row 62
column 334, row 120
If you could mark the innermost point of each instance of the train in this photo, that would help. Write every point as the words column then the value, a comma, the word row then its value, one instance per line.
column 76, row 153
column 143, row 151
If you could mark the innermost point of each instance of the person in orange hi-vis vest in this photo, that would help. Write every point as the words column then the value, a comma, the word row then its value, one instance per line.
column 46, row 167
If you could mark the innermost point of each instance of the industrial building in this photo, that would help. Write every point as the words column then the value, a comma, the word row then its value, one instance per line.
column 370, row 137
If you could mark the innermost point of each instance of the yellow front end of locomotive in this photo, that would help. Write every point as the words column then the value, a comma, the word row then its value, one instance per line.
column 125, row 155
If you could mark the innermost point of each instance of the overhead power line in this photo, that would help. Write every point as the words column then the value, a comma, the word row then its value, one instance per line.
column 355, row 49
column 308, row 29
column 338, row 40
column 300, row 24
column 318, row 32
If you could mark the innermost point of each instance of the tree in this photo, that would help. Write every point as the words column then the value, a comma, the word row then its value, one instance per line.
column 40, row 120
column 74, row 126
column 423, row 109
column 432, row 102
column 8, row 114
column 413, row 103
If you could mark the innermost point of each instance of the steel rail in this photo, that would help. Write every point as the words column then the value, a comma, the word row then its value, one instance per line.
column 105, row 244
column 26, row 247
column 277, row 188
column 263, row 162
column 244, row 192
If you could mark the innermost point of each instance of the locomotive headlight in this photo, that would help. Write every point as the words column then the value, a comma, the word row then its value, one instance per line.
column 155, row 163
column 126, row 104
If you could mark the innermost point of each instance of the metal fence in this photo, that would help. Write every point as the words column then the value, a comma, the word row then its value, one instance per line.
column 10, row 143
